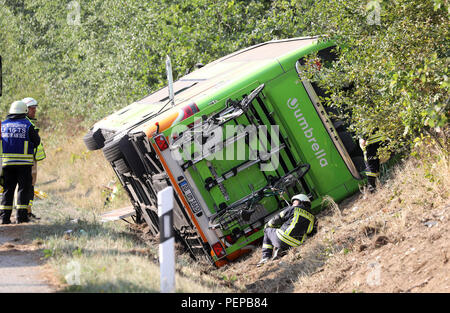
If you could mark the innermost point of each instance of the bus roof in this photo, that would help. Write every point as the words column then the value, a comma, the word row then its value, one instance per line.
column 220, row 74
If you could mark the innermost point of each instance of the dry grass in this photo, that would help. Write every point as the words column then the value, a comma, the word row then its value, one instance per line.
column 355, row 235
column 417, row 191
column 80, row 176
column 370, row 242
column 106, row 257
column 110, row 260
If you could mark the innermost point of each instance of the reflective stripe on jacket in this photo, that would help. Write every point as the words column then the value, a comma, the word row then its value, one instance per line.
column 297, row 224
column 375, row 138
column 16, row 146
column 39, row 152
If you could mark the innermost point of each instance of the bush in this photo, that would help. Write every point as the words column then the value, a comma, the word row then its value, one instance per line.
column 86, row 58
column 396, row 55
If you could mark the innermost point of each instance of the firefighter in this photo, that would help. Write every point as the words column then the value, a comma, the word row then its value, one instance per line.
column 287, row 229
column 370, row 148
column 19, row 137
column 39, row 153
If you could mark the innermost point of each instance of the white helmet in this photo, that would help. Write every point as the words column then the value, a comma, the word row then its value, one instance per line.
column 18, row 107
column 301, row 197
column 30, row 102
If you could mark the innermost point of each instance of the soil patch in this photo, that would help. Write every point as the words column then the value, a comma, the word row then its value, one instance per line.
column 21, row 266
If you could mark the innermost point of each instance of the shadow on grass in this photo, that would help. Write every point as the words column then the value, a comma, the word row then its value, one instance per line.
column 118, row 286
column 74, row 237
column 76, row 229
column 285, row 273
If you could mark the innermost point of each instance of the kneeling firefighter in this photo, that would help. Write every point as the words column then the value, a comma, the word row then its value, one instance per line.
column 19, row 138
column 287, row 229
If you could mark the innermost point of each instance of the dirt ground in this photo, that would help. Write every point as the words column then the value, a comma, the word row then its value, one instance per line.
column 22, row 269
column 355, row 254
column 359, row 247
column 354, row 251
column 396, row 240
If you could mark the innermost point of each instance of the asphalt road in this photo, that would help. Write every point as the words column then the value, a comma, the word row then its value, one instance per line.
column 20, row 271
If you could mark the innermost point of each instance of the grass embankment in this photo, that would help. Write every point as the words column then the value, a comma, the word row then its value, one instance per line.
column 86, row 254
column 394, row 240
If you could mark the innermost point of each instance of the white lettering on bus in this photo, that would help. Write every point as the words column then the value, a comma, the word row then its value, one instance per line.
column 308, row 132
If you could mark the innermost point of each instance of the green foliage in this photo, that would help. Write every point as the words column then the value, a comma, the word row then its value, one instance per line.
column 396, row 53
column 85, row 59
column 48, row 253
column 77, row 252
column 113, row 52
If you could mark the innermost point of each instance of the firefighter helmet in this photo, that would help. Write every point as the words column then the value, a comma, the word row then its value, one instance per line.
column 30, row 102
column 301, row 197
column 18, row 107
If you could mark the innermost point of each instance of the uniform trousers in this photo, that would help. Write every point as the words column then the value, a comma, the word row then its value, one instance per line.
column 16, row 176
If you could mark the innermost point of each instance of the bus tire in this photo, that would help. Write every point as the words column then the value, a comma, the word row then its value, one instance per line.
column 348, row 142
column 359, row 163
column 112, row 151
column 94, row 140
column 121, row 166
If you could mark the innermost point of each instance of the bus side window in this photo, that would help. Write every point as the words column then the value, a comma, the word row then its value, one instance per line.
column 327, row 55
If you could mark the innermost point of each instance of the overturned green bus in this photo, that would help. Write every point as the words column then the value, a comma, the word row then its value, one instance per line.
column 240, row 137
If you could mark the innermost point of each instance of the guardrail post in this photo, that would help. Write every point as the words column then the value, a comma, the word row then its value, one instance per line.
column 167, row 240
